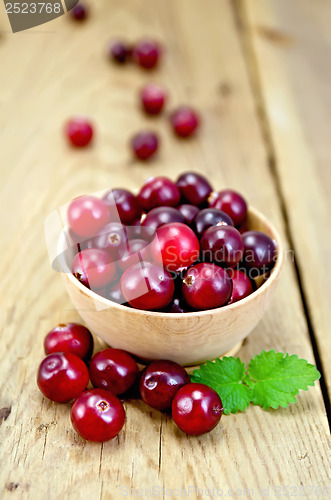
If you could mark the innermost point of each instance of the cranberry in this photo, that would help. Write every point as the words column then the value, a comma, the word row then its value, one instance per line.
column 140, row 232
column 232, row 203
column 146, row 53
column 159, row 216
column 113, row 370
column 196, row 409
column 184, row 121
column 209, row 217
column 93, row 268
column 159, row 383
column 157, row 192
column 222, row 245
column 242, row 285
column 136, row 251
column 97, row 415
column 62, row 376
column 194, row 187
column 70, row 337
column 177, row 305
column 206, row 286
column 145, row 145
column 153, row 98
column 124, row 204
column 79, row 132
column 189, row 212
column 115, row 294
column 176, row 246
column 87, row 215
column 147, row 286
column 112, row 238
column 79, row 12
column 119, row 51
column 260, row 251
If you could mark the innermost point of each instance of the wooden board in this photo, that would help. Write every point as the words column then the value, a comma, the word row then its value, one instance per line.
column 60, row 69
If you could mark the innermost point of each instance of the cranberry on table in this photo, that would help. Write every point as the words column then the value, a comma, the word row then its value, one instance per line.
column 209, row 217
column 184, row 121
column 62, row 376
column 194, row 187
column 153, row 98
column 242, row 285
column 157, row 192
column 113, row 370
column 159, row 216
column 222, row 245
column 119, row 51
column 135, row 252
column 232, row 203
column 79, row 12
column 260, row 251
column 196, row 409
column 79, row 131
column 97, row 415
column 206, row 286
column 159, row 383
column 69, row 337
column 147, row 286
column 146, row 53
column 112, row 238
column 93, row 268
column 188, row 211
column 87, row 215
column 124, row 204
column 144, row 145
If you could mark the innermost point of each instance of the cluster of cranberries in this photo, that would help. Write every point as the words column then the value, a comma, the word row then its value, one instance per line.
column 98, row 414
column 175, row 247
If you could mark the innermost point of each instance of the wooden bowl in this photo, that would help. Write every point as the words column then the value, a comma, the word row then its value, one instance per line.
column 189, row 338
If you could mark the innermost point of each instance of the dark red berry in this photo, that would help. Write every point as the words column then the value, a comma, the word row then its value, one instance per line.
column 222, row 245
column 158, row 192
column 159, row 216
column 113, row 370
column 94, row 268
column 260, row 251
column 70, row 337
column 97, row 415
column 123, row 205
column 194, row 187
column 144, row 145
column 242, row 285
column 159, row 383
column 112, row 238
column 153, row 98
column 62, row 376
column 232, row 203
column 189, row 212
column 184, row 121
column 146, row 53
column 209, row 217
column 206, row 286
column 87, row 215
column 79, row 131
column 136, row 252
column 178, row 305
column 119, row 51
column 196, row 409
column 79, row 12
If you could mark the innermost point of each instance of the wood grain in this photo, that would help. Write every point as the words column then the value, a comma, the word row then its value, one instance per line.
column 57, row 70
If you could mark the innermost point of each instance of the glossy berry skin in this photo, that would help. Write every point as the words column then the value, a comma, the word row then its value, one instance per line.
column 178, row 305
column 62, row 376
column 111, row 238
column 196, row 409
column 79, row 132
column 114, row 294
column 194, row 187
column 159, row 216
column 113, row 370
column 97, row 415
column 119, row 51
column 87, row 215
column 189, row 212
column 158, row 192
column 222, row 245
column 93, row 268
column 232, row 203
column 70, row 337
column 147, row 286
column 206, row 286
column 176, row 246
column 135, row 252
column 146, row 53
column 79, row 12
column 209, row 217
column 260, row 250
column 153, row 98
column 144, row 145
column 123, row 204
column 184, row 121
column 159, row 383
column 242, row 285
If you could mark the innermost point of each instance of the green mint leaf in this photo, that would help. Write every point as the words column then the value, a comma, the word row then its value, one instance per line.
column 226, row 377
column 275, row 378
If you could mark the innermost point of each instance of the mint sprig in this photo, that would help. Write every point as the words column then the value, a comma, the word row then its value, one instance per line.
column 271, row 380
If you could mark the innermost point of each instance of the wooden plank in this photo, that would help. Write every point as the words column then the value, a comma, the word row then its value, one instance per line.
column 41, row 456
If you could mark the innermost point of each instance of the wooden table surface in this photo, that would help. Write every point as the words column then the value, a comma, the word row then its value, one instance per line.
column 259, row 71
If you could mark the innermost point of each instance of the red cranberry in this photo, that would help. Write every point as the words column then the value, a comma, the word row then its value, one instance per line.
column 62, row 376
column 97, row 415
column 93, row 268
column 146, row 53
column 159, row 216
column 184, row 121
column 115, row 294
column 136, row 251
column 79, row 12
column 123, row 203
column 112, row 238
column 140, row 232
column 153, row 98
column 242, row 285
column 159, row 383
column 196, row 409
column 145, row 145
column 147, row 286
column 260, row 251
column 222, row 245
column 189, row 212
column 87, row 215
column 206, row 286
column 79, row 132
column 157, row 192
column 176, row 246
column 119, row 51
column 113, row 370
column 70, row 337
column 209, row 217
column 194, row 187
column 232, row 203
